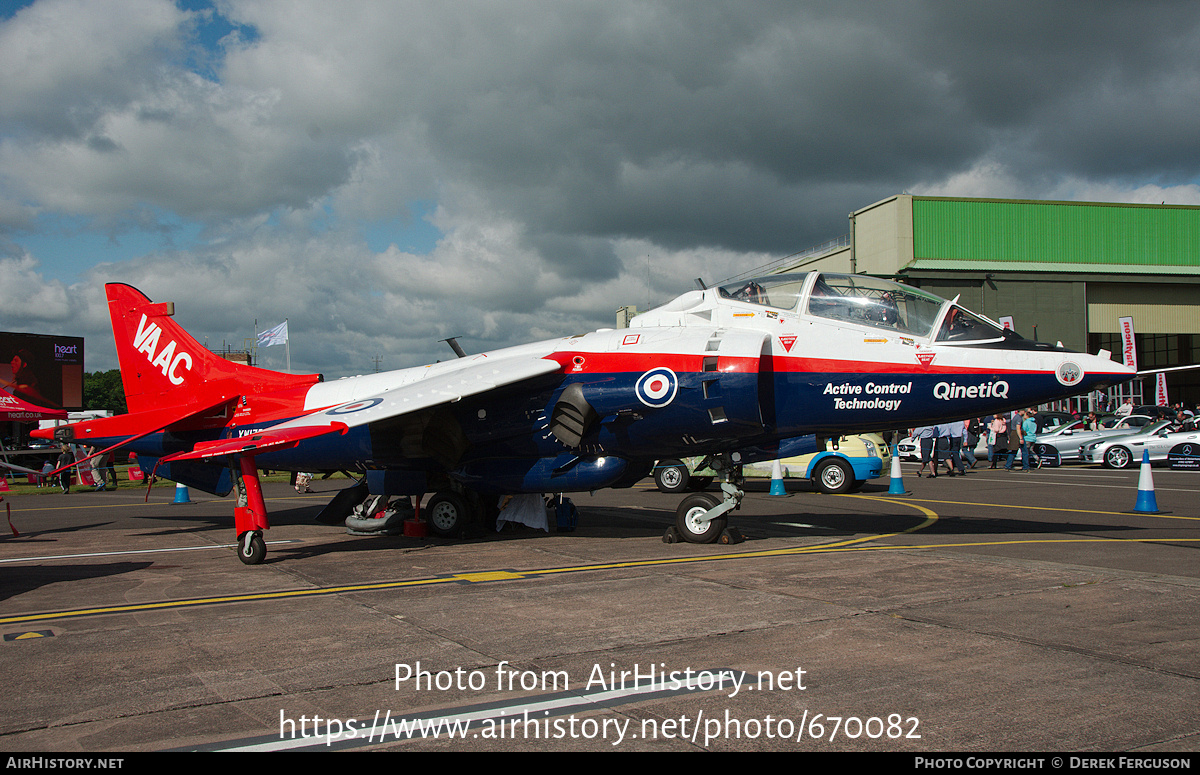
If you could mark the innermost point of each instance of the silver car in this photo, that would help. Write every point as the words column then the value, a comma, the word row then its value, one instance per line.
column 1126, row 451
column 1068, row 440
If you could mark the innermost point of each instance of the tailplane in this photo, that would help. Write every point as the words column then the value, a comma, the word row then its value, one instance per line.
column 162, row 365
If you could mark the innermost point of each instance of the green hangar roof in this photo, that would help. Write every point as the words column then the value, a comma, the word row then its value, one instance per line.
column 1043, row 236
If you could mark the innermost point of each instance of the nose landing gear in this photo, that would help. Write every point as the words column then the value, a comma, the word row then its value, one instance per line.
column 702, row 517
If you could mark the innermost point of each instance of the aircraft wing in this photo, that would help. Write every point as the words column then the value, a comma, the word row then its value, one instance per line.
column 452, row 385
column 21, row 469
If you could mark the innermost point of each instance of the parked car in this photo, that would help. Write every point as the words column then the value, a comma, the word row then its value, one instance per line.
column 1049, row 421
column 908, row 448
column 1125, row 451
column 1068, row 440
column 856, row 459
column 1062, row 444
column 845, row 469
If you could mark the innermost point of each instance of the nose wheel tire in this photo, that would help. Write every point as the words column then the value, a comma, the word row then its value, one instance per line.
column 688, row 519
column 252, row 549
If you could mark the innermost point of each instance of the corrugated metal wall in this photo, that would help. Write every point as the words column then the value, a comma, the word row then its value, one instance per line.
column 1056, row 232
column 1156, row 309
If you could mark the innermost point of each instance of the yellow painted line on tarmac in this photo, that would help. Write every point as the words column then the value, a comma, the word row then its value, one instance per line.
column 1030, row 541
column 471, row 577
column 203, row 601
column 1129, row 513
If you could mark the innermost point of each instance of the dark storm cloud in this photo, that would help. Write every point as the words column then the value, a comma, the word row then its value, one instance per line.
column 1091, row 91
column 699, row 124
column 722, row 125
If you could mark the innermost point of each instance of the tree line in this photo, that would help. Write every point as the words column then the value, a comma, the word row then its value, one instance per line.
column 103, row 390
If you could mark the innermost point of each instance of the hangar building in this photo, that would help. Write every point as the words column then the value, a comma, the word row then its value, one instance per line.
column 1064, row 271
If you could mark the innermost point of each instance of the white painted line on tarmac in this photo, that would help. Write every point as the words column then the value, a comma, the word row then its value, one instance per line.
column 135, row 551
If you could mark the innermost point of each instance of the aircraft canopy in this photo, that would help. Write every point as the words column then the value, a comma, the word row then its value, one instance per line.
column 865, row 300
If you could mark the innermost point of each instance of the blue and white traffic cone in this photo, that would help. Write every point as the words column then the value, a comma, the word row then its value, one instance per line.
column 1146, row 502
column 181, row 493
column 897, row 485
column 777, row 487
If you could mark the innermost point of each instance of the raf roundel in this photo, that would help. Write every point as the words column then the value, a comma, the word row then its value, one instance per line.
column 657, row 387
column 357, row 406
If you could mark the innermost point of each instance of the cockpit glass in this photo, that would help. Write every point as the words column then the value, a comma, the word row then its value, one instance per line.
column 779, row 291
column 963, row 326
column 870, row 301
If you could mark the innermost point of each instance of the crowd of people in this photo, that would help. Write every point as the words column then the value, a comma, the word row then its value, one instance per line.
column 101, row 468
column 954, row 443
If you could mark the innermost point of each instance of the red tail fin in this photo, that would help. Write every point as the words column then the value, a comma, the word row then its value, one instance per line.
column 162, row 365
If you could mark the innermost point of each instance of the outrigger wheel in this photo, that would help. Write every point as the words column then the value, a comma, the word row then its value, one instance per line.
column 252, row 549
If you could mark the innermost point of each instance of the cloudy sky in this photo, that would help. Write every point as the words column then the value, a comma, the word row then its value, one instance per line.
column 387, row 174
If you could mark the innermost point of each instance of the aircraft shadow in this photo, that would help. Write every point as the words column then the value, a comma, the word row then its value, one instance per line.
column 27, row 534
column 16, row 581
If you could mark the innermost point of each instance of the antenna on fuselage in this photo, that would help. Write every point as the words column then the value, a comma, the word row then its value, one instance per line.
column 455, row 346
column 700, row 282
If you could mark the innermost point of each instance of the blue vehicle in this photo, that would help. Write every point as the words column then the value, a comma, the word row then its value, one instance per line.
column 844, row 468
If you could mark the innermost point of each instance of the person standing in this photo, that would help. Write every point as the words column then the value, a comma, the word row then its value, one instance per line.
column 926, row 437
column 1014, row 438
column 65, row 459
column 999, row 436
column 97, row 466
column 941, row 450
column 956, row 431
column 110, row 467
column 970, row 440
column 1029, row 432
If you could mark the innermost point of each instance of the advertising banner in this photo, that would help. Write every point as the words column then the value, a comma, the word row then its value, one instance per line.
column 1160, row 390
column 42, row 370
column 13, row 408
column 1128, row 350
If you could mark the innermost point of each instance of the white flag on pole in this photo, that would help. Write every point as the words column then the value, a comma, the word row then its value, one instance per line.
column 274, row 336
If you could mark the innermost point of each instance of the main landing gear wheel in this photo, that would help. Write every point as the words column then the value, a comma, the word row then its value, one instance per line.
column 252, row 549
column 834, row 477
column 447, row 514
column 688, row 519
column 1118, row 457
column 671, row 476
